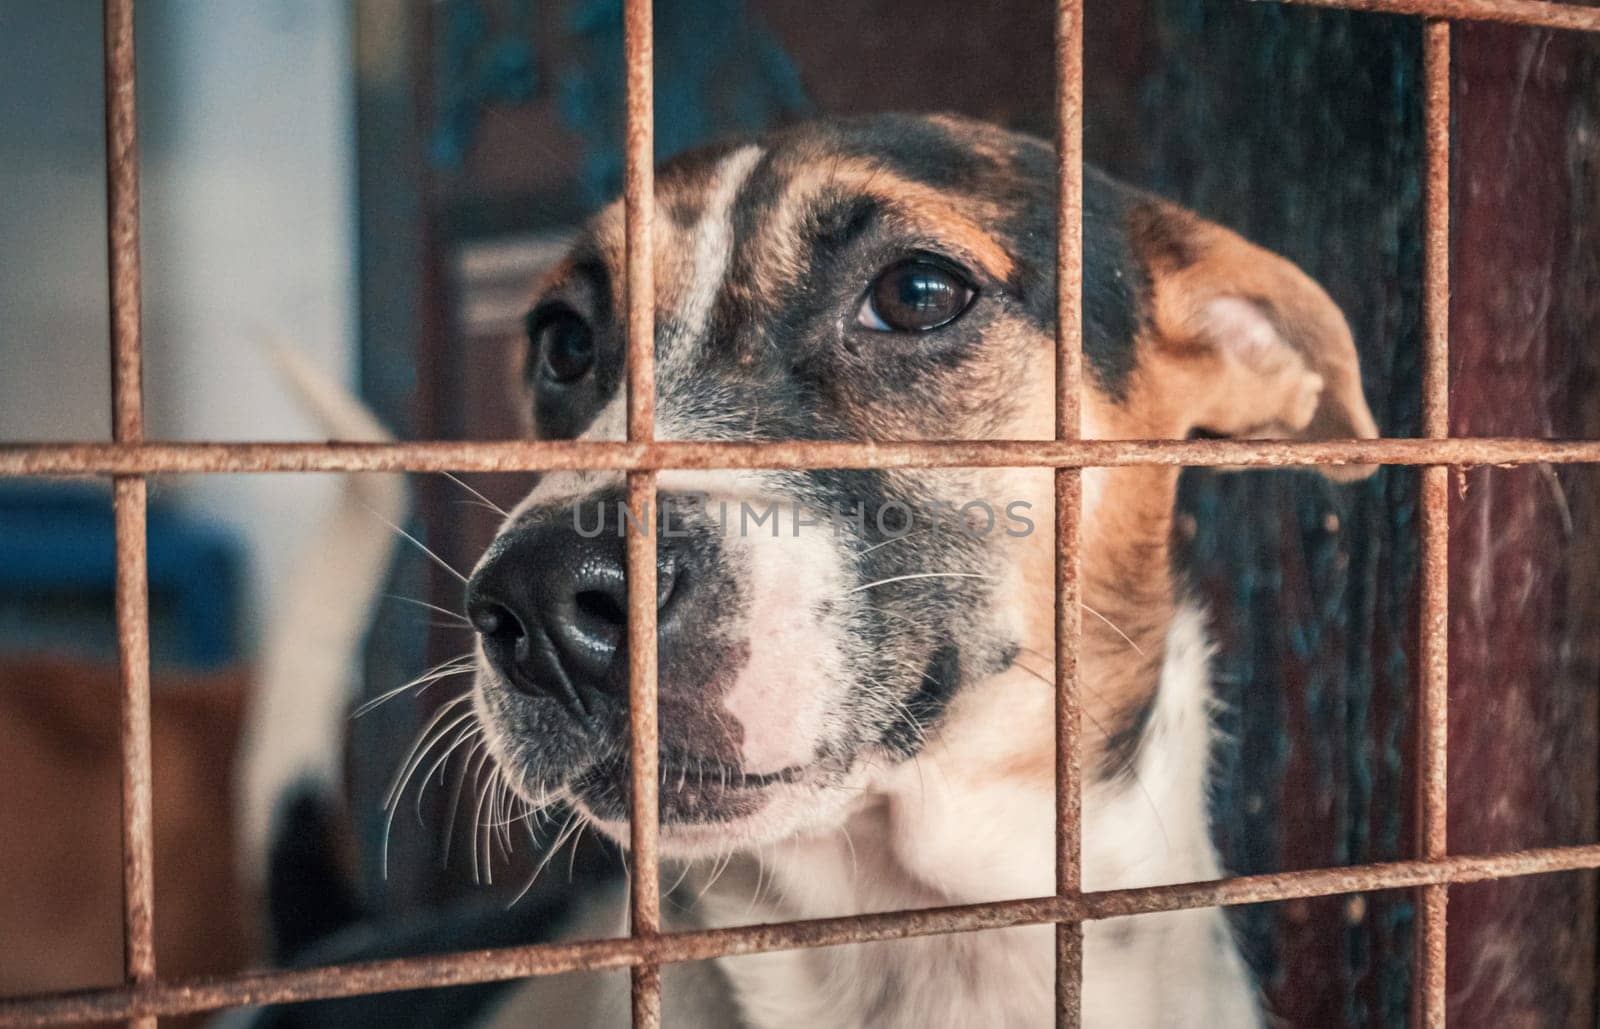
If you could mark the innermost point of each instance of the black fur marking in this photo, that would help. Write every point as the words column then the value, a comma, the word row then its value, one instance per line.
column 925, row 707
column 1125, row 742
column 913, row 148
column 838, row 221
column 1115, row 284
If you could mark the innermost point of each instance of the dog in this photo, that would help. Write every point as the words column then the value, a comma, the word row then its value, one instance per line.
column 856, row 702
column 857, row 713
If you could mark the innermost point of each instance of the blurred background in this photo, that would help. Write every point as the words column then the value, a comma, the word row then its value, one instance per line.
column 377, row 183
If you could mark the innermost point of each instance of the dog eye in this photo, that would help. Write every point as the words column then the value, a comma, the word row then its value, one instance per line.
column 915, row 296
column 563, row 342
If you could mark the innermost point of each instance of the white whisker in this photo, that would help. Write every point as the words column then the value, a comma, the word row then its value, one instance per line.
column 568, row 828
column 466, row 733
column 453, row 615
column 491, row 505
column 420, row 747
column 682, row 875
column 480, row 747
column 855, row 870
column 1133, row 769
column 457, row 666
column 1114, row 628
column 479, row 828
column 441, row 562
column 919, row 575
column 893, row 539
column 484, row 760
column 533, row 838
column 426, row 741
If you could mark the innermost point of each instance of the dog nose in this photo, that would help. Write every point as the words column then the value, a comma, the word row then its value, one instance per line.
column 551, row 607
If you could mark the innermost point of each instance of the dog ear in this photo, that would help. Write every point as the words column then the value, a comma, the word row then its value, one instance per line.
column 1258, row 349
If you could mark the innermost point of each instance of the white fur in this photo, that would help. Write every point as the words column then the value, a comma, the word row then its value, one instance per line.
column 713, row 240
column 783, row 706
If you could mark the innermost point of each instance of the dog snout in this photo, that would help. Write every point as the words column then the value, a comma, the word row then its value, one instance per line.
column 551, row 607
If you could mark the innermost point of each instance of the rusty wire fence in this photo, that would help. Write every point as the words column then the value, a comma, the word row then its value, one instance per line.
column 129, row 460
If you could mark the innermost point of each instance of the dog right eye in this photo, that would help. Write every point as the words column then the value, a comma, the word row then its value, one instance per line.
column 563, row 343
column 913, row 296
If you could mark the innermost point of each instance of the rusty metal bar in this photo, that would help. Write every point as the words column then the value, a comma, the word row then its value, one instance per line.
column 645, row 883
column 122, row 224
column 527, row 456
column 1069, row 218
column 184, row 996
column 1069, row 722
column 1069, row 497
column 638, row 200
column 1540, row 13
column 639, row 214
column 133, row 674
column 1436, row 231
column 1434, row 625
column 129, row 498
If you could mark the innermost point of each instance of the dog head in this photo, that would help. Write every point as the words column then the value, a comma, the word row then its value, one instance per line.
column 891, row 278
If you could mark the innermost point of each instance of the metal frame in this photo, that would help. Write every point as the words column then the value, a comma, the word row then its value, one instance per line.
column 128, row 460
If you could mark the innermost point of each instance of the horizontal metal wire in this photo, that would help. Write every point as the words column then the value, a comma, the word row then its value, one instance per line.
column 1540, row 13
column 182, row 996
column 519, row 455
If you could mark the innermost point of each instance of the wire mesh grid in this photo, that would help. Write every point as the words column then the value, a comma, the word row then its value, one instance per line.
column 128, row 460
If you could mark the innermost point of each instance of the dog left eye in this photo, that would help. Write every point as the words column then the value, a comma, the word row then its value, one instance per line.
column 563, row 343
column 915, row 296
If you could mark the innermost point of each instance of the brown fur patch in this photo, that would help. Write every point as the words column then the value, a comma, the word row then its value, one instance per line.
column 1194, row 264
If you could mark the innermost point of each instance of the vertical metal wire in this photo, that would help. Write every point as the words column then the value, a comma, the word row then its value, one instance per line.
column 129, row 498
column 1069, row 493
column 122, row 224
column 638, row 201
column 1433, row 710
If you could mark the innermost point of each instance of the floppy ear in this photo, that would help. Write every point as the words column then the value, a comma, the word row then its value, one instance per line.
column 1264, row 353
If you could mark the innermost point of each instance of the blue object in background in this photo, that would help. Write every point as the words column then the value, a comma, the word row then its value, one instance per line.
column 57, row 577
column 718, row 72
column 480, row 68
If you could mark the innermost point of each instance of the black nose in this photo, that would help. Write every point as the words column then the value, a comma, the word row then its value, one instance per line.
column 551, row 606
